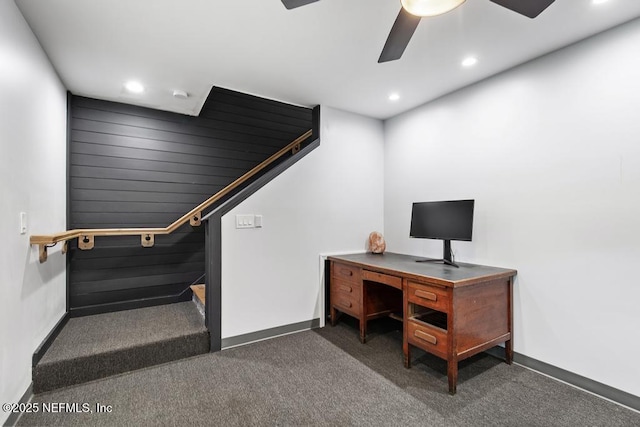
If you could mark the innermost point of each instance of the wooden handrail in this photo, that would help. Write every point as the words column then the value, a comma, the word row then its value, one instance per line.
column 86, row 236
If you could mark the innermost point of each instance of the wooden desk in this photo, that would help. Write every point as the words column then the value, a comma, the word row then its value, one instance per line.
column 452, row 313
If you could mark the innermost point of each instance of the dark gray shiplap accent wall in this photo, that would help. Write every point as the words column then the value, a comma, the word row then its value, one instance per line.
column 137, row 167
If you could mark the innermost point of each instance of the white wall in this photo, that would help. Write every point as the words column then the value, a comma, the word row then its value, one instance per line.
column 327, row 202
column 32, row 180
column 550, row 151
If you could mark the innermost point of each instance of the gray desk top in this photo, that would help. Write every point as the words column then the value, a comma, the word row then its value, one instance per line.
column 406, row 264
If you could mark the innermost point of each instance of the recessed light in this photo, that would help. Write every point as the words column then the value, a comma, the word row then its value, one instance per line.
column 469, row 61
column 599, row 1
column 394, row 97
column 134, row 87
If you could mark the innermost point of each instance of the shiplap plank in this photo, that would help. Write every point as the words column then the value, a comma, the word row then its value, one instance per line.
column 221, row 95
column 100, row 183
column 135, row 274
column 131, row 282
column 257, row 122
column 128, row 219
column 138, row 196
column 110, row 297
column 156, row 165
column 138, row 260
column 179, row 144
column 234, row 159
column 225, row 122
column 210, row 129
column 133, row 176
column 268, row 139
column 130, row 247
column 107, row 207
column 267, row 116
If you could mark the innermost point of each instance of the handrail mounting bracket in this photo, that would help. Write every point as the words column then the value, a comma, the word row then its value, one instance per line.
column 43, row 252
column 147, row 240
column 196, row 219
column 86, row 242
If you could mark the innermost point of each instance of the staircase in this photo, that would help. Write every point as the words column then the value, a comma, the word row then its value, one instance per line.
column 113, row 340
column 93, row 347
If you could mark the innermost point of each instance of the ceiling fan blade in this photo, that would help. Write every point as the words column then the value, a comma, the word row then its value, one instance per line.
column 292, row 4
column 399, row 37
column 530, row 8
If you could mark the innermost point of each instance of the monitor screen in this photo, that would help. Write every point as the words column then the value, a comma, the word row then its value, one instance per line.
column 450, row 220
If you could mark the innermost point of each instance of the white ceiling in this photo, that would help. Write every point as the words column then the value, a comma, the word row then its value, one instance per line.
column 323, row 53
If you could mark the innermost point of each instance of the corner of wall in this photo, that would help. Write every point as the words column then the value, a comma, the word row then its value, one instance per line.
column 328, row 202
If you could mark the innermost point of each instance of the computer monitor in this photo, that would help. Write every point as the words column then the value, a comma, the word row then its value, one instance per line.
column 446, row 221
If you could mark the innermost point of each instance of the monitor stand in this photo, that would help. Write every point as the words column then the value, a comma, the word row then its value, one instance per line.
column 446, row 255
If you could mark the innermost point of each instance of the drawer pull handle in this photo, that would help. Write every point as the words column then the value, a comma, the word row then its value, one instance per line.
column 426, row 295
column 346, row 304
column 346, row 289
column 426, row 337
column 346, row 272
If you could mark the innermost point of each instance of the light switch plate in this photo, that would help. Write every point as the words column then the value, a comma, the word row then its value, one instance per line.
column 245, row 221
column 23, row 223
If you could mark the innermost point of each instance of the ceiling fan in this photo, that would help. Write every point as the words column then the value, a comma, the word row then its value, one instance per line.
column 414, row 10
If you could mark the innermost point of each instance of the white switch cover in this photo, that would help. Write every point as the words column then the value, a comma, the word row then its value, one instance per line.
column 23, row 222
column 244, row 221
column 258, row 221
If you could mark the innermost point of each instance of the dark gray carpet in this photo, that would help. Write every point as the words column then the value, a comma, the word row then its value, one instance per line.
column 326, row 377
column 489, row 391
column 98, row 346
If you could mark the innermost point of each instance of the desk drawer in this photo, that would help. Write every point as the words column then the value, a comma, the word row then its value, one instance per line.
column 345, row 272
column 394, row 281
column 430, row 296
column 348, row 289
column 427, row 337
column 346, row 303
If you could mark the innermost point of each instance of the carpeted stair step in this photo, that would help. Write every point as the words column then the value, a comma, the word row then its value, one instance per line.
column 93, row 347
column 198, row 292
column 198, row 298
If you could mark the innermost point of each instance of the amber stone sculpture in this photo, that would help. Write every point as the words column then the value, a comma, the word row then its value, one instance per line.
column 377, row 244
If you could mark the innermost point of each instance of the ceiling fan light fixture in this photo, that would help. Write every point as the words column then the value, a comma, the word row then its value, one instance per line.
column 430, row 7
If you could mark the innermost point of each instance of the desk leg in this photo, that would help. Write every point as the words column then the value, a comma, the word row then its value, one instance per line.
column 508, row 346
column 452, row 373
column 407, row 311
column 406, row 348
column 363, row 313
column 333, row 314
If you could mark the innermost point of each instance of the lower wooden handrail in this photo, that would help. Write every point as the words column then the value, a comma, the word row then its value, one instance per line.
column 86, row 236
